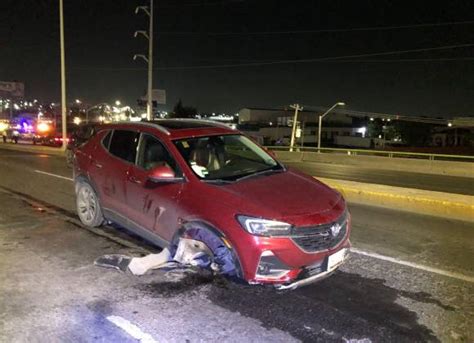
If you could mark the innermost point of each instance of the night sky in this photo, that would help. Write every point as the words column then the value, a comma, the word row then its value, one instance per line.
column 212, row 34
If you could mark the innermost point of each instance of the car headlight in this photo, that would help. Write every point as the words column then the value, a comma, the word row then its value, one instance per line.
column 264, row 227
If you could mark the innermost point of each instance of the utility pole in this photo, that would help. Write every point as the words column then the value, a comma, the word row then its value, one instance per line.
column 302, row 134
column 63, row 75
column 321, row 121
column 297, row 108
column 149, row 59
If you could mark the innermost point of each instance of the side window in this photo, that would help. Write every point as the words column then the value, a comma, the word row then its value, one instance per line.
column 106, row 140
column 124, row 144
column 152, row 154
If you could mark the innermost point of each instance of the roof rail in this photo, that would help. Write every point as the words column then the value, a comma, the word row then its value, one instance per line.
column 144, row 123
column 155, row 125
column 212, row 122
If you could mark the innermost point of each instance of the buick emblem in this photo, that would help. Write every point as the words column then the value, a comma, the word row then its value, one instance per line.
column 335, row 229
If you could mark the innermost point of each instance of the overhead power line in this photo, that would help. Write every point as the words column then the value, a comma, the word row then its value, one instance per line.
column 373, row 28
column 296, row 61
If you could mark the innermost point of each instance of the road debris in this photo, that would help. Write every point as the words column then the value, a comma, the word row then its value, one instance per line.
column 140, row 265
column 114, row 261
column 189, row 253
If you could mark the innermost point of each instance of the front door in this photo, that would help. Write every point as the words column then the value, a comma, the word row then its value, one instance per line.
column 153, row 206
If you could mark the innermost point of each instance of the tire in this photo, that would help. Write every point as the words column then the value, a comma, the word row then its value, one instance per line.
column 88, row 205
column 223, row 257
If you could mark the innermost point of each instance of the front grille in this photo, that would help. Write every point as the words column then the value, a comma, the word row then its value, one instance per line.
column 317, row 238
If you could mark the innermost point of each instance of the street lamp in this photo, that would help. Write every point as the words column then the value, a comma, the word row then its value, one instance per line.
column 63, row 75
column 78, row 101
column 149, row 36
column 117, row 103
column 321, row 121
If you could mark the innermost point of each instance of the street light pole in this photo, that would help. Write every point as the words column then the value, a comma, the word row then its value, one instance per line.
column 149, row 107
column 321, row 121
column 63, row 75
column 149, row 59
column 297, row 108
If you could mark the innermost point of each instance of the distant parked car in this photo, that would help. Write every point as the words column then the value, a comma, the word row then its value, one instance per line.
column 53, row 139
column 172, row 179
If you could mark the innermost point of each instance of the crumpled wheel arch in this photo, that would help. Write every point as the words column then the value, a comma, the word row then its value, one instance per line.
column 213, row 238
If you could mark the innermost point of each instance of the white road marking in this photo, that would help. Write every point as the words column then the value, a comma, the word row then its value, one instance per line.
column 131, row 329
column 53, row 175
column 454, row 275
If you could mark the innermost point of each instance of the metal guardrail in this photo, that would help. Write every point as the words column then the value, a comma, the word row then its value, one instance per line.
column 381, row 153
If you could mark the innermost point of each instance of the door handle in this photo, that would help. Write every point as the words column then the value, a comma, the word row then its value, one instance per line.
column 98, row 165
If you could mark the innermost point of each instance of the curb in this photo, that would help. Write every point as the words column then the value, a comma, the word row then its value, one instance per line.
column 32, row 148
column 446, row 205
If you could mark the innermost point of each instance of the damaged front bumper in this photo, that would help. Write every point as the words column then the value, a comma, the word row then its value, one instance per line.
column 304, row 282
column 315, row 272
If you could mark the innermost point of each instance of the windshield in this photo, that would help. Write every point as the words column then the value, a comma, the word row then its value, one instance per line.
column 227, row 157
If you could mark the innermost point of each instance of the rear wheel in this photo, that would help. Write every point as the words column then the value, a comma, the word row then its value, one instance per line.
column 88, row 206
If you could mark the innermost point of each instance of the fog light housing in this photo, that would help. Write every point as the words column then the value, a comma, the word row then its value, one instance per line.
column 270, row 267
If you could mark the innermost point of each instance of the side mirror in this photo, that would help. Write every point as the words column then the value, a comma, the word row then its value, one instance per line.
column 163, row 174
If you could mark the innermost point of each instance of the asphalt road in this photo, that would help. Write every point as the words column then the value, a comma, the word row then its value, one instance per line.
column 51, row 291
column 431, row 182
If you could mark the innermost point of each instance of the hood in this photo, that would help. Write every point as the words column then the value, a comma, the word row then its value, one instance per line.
column 283, row 195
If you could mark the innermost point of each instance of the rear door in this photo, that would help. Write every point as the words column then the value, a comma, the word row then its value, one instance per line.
column 153, row 206
column 122, row 151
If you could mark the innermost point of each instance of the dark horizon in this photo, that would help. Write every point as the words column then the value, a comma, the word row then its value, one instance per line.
column 199, row 44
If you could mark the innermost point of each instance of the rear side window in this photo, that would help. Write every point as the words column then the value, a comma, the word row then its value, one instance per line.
column 124, row 144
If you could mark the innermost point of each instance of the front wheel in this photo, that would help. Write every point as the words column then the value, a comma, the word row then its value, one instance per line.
column 224, row 258
column 88, row 206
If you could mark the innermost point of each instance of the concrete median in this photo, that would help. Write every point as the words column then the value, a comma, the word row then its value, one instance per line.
column 447, row 205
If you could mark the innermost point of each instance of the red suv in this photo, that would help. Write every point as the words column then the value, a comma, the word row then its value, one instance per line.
column 168, row 179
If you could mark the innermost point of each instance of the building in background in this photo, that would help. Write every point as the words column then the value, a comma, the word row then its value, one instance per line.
column 460, row 133
column 274, row 126
column 355, row 129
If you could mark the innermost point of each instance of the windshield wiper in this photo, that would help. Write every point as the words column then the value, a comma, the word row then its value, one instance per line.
column 262, row 172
